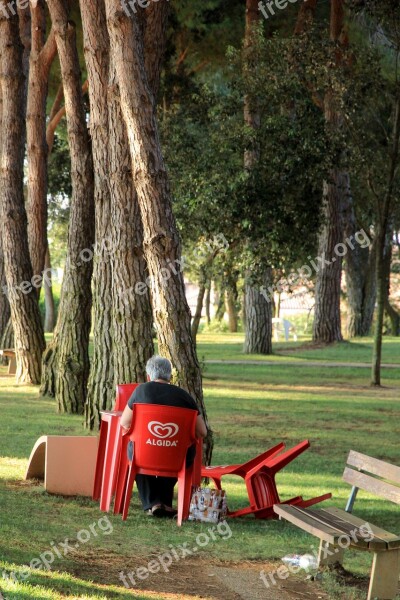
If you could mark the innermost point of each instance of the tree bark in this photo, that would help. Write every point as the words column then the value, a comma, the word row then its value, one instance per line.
column 391, row 312
column 207, row 302
column 26, row 321
column 231, row 298
column 50, row 309
column 161, row 241
column 132, row 313
column 383, row 242
column 327, row 322
column 258, row 325
column 258, row 337
column 359, row 265
column 67, row 359
column 199, row 305
column 41, row 58
column 101, row 390
column 305, row 16
column 4, row 303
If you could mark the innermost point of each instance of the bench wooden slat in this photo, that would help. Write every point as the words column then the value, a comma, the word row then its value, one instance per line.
column 375, row 466
column 308, row 523
column 370, row 484
column 345, row 527
column 392, row 540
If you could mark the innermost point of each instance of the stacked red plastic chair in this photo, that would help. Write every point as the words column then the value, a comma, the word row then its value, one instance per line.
column 109, row 450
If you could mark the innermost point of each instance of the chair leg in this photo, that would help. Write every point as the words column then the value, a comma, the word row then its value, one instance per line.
column 184, row 494
column 285, row 458
column 121, row 483
column 384, row 580
column 99, row 472
column 329, row 555
column 128, row 492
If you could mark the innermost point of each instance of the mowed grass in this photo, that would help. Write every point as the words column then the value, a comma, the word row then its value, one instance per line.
column 250, row 408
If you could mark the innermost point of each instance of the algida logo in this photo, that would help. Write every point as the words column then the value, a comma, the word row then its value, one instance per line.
column 162, row 431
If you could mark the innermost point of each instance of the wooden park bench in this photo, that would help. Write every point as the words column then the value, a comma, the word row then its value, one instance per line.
column 12, row 363
column 338, row 529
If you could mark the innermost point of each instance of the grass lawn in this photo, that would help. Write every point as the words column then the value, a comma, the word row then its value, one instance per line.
column 250, row 408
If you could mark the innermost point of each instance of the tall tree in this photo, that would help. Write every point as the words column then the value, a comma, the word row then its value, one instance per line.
column 66, row 361
column 384, row 232
column 101, row 390
column 4, row 304
column 327, row 321
column 161, row 240
column 26, row 321
column 41, row 58
column 132, row 313
column 258, row 336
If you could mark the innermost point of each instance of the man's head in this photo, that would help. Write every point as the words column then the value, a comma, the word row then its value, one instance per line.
column 158, row 367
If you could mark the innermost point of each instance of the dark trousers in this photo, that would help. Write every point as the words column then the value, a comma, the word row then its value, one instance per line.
column 158, row 490
column 155, row 490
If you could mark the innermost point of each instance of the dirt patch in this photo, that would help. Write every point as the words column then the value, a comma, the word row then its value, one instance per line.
column 199, row 577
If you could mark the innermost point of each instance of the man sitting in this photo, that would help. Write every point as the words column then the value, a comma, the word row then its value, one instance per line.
column 156, row 493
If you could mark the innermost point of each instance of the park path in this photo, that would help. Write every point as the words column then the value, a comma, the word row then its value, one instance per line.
column 316, row 363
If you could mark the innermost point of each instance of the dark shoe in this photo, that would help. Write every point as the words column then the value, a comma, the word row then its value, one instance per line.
column 158, row 510
column 171, row 513
column 162, row 511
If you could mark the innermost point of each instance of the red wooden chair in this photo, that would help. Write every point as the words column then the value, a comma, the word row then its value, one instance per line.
column 259, row 476
column 161, row 436
column 109, row 448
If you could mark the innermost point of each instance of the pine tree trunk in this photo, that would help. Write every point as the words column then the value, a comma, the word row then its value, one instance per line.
column 258, row 324
column 391, row 312
column 359, row 267
column 101, row 390
column 133, row 319
column 41, row 58
column 4, row 303
column 381, row 286
column 26, row 321
column 161, row 241
column 231, row 299
column 383, row 243
column 369, row 293
column 327, row 323
column 67, row 360
column 220, row 311
column 50, row 309
column 199, row 305
column 258, row 337
column 207, row 302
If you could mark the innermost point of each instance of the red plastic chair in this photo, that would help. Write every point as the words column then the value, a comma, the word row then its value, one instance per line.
column 161, row 436
column 109, row 448
column 259, row 476
column 124, row 392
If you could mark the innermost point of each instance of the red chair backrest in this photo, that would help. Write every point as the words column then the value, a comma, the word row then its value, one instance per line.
column 161, row 436
column 124, row 392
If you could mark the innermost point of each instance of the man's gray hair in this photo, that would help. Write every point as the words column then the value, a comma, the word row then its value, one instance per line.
column 158, row 367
